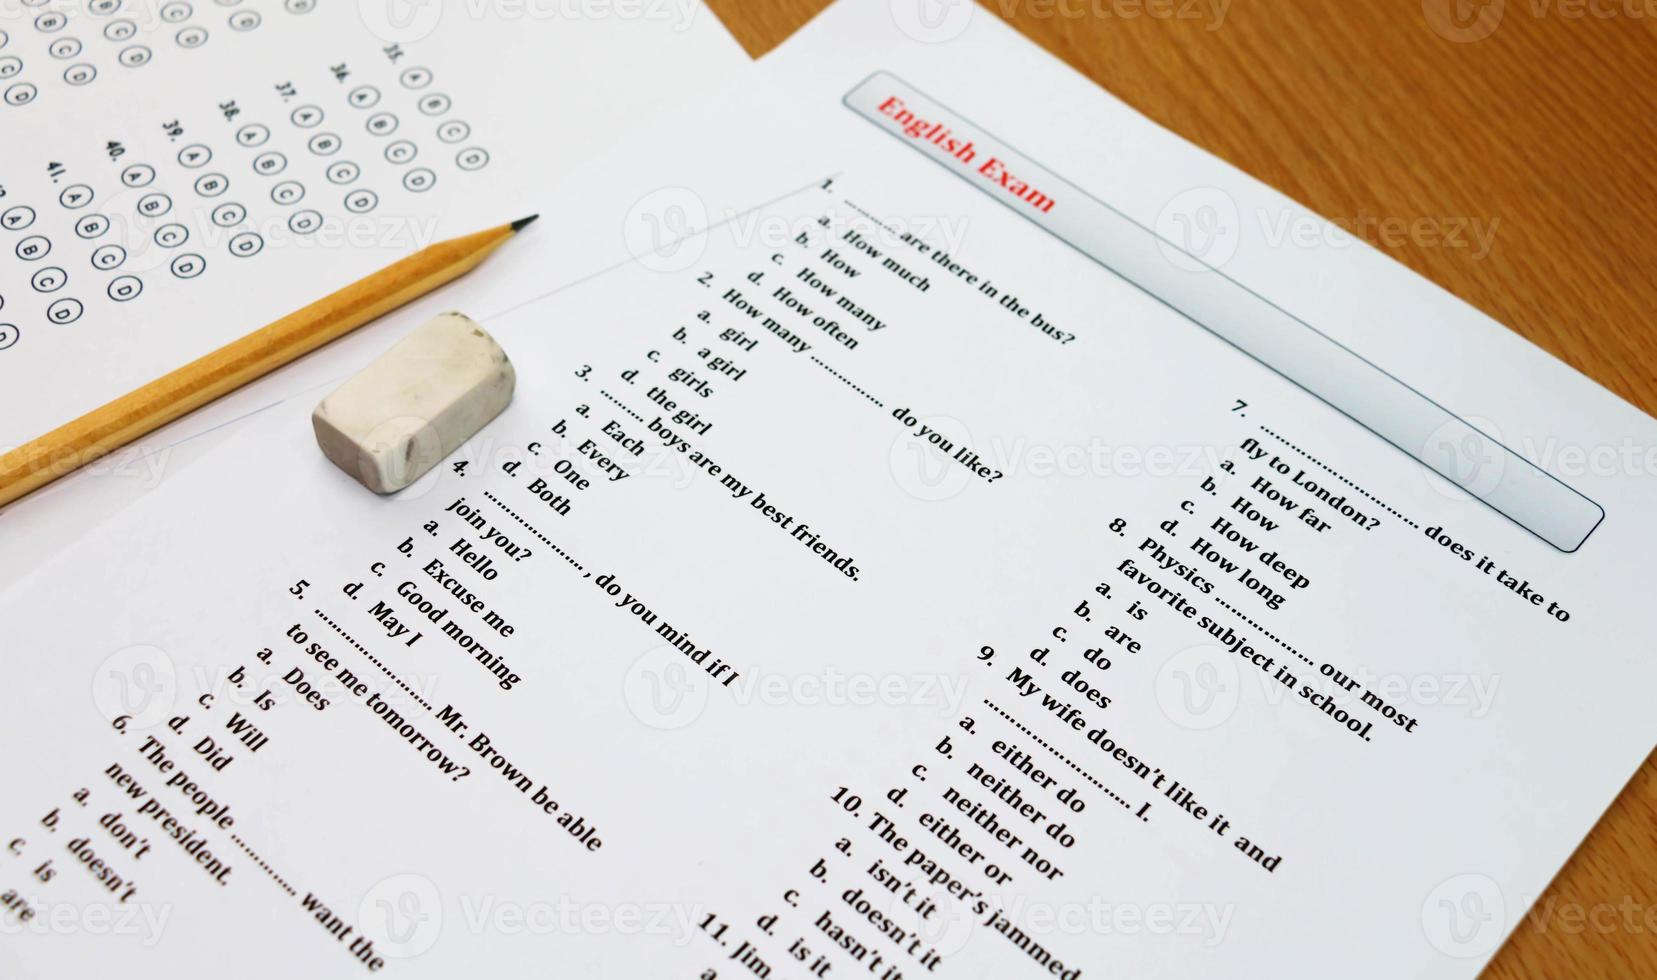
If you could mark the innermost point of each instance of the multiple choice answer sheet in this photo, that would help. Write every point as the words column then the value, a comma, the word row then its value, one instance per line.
column 177, row 174
column 926, row 569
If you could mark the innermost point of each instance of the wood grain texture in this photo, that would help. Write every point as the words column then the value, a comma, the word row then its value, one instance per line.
column 1534, row 119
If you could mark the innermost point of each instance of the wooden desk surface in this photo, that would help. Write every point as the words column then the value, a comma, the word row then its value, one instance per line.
column 1539, row 126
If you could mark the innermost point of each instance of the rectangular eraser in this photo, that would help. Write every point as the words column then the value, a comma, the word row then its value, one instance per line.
column 396, row 419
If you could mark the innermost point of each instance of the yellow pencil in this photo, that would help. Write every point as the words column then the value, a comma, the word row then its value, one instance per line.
column 103, row 430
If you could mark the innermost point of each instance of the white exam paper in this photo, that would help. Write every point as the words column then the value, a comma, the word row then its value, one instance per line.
column 756, row 794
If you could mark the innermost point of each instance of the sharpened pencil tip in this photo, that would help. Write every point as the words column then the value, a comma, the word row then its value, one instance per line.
column 523, row 223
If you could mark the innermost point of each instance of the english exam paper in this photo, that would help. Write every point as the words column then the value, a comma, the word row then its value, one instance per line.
column 874, row 584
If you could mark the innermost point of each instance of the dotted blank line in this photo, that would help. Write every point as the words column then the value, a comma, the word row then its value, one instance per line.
column 1341, row 478
column 1273, row 636
column 422, row 702
column 618, row 404
column 848, row 381
column 1084, row 773
column 560, row 552
column 267, row 868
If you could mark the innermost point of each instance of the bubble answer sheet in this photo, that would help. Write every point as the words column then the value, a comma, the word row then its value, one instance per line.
column 177, row 173
column 910, row 566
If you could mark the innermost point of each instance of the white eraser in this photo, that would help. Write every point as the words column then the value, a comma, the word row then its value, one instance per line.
column 416, row 404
